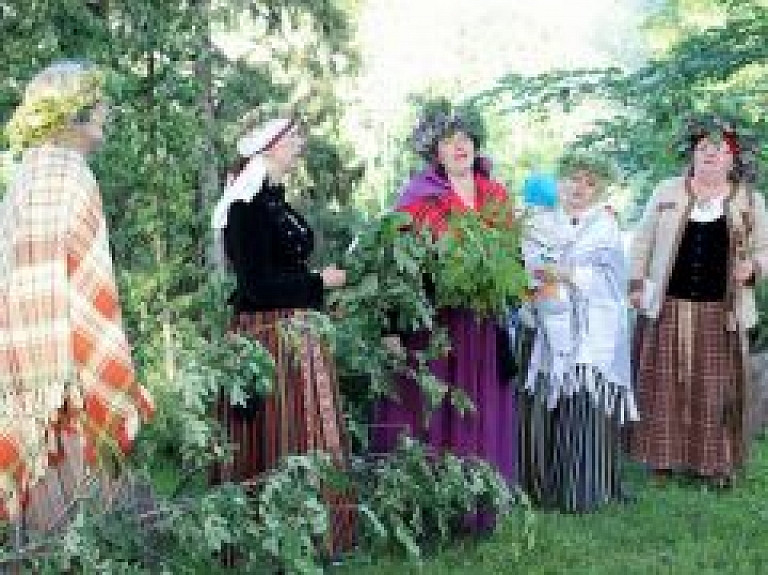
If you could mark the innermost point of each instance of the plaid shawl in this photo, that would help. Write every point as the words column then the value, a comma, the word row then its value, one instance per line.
column 65, row 364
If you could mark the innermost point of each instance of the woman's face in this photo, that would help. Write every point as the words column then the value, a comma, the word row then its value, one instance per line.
column 286, row 151
column 91, row 131
column 456, row 153
column 578, row 190
column 712, row 158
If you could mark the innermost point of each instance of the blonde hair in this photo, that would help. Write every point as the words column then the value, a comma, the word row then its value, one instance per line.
column 54, row 100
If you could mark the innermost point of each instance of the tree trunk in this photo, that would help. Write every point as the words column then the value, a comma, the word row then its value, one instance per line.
column 208, row 179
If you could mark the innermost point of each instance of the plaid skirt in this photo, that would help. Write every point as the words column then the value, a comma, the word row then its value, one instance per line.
column 691, row 391
column 303, row 414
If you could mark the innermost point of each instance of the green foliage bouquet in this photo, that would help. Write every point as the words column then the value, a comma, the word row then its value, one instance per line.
column 385, row 293
column 478, row 263
column 385, row 274
column 415, row 499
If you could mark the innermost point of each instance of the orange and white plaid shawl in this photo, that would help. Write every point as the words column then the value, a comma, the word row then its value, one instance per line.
column 66, row 375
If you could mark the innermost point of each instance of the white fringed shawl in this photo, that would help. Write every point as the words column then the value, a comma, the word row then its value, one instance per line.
column 582, row 336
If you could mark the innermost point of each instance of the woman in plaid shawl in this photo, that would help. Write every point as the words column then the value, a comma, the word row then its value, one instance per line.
column 702, row 243
column 67, row 386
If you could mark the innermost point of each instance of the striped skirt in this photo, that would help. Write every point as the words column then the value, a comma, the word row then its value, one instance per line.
column 303, row 414
column 569, row 455
column 691, row 391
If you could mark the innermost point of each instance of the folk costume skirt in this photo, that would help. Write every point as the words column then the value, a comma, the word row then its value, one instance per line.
column 472, row 365
column 691, row 391
column 570, row 454
column 303, row 414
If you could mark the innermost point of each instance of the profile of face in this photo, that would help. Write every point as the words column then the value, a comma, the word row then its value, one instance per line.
column 456, row 153
column 578, row 190
column 91, row 129
column 286, row 151
column 712, row 158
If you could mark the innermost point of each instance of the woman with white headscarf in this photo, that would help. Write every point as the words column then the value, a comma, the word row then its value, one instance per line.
column 267, row 244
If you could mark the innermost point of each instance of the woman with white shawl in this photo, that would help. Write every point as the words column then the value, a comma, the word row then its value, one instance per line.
column 576, row 382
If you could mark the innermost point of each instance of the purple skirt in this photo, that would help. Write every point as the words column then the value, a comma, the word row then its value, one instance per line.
column 488, row 433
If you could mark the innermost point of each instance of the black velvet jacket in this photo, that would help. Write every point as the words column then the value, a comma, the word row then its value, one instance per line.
column 269, row 244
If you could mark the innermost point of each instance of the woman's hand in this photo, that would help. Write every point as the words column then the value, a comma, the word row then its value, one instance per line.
column 636, row 299
column 743, row 271
column 394, row 344
column 333, row 277
column 550, row 274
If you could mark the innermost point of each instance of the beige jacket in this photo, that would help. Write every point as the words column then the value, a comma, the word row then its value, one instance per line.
column 657, row 239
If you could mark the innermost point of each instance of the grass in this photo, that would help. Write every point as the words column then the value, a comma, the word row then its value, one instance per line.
column 679, row 528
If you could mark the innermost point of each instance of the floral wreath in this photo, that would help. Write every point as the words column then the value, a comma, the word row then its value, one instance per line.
column 734, row 130
column 51, row 109
column 596, row 164
column 440, row 119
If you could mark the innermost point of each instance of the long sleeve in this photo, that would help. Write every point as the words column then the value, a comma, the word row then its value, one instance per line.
column 263, row 280
column 760, row 236
column 640, row 250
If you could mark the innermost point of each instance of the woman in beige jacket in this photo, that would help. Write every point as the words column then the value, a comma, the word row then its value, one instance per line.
column 702, row 243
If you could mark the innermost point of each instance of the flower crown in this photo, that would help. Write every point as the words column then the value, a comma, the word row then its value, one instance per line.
column 741, row 140
column 736, row 132
column 596, row 164
column 49, row 109
column 440, row 120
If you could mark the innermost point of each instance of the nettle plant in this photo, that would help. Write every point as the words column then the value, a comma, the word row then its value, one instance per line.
column 208, row 368
column 275, row 523
column 410, row 502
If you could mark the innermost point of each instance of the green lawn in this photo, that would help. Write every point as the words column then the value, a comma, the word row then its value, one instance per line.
column 679, row 528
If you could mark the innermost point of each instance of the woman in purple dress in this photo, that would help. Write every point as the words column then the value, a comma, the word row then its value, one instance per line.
column 455, row 180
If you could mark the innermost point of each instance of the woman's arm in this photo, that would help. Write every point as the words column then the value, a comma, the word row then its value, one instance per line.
column 641, row 248
column 760, row 236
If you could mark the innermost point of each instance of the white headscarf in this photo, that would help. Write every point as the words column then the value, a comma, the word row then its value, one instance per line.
column 248, row 183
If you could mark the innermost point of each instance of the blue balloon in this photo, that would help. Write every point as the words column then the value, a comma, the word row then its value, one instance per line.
column 540, row 190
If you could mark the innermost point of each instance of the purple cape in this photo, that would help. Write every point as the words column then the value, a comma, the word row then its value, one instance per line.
column 425, row 184
column 429, row 184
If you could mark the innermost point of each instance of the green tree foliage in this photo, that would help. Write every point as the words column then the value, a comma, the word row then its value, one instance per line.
column 710, row 56
column 176, row 99
column 716, row 62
